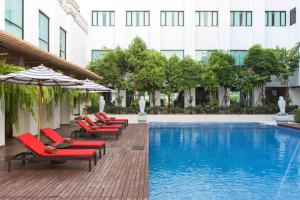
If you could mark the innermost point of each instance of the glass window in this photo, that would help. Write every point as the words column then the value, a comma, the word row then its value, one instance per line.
column 206, row 18
column 103, row 18
column 43, row 31
column 169, row 53
column 137, row 18
column 62, row 43
column 293, row 16
column 239, row 56
column 241, row 18
column 14, row 17
column 203, row 55
column 172, row 18
column 98, row 54
column 275, row 18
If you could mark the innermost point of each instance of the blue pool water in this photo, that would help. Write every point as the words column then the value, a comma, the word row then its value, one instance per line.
column 237, row 161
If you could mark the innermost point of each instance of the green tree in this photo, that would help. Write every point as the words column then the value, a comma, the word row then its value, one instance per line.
column 173, row 77
column 136, row 55
column 190, row 76
column 247, row 80
column 289, row 62
column 210, row 81
column 222, row 64
column 113, row 69
column 264, row 63
column 152, row 75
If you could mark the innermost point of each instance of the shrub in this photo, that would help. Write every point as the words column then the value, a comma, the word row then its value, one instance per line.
column 297, row 115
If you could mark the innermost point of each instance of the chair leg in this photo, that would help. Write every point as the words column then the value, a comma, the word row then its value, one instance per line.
column 104, row 150
column 95, row 159
column 24, row 158
column 100, row 153
column 90, row 165
column 9, row 165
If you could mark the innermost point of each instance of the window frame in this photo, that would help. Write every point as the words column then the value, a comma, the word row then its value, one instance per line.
column 93, row 50
column 274, row 11
column 8, row 21
column 171, row 11
column 110, row 17
column 207, row 50
column 292, row 22
column 62, row 29
column 241, row 11
column 212, row 19
column 41, row 12
column 137, row 11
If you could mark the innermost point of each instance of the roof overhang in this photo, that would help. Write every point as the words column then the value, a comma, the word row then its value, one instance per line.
column 16, row 49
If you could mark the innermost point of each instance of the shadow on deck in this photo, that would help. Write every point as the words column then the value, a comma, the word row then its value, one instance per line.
column 121, row 174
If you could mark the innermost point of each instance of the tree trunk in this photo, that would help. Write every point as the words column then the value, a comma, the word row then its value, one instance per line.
column 190, row 97
column 169, row 100
column 225, row 96
column 153, row 97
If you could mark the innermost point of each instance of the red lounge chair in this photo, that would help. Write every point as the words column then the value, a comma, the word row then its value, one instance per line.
column 54, row 137
column 112, row 119
column 110, row 122
column 90, row 121
column 37, row 149
column 99, row 131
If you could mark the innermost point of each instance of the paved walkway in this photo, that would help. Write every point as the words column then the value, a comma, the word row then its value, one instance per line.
column 267, row 119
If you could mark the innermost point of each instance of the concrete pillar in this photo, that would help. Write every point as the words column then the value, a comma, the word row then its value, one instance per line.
column 294, row 94
column 221, row 92
column 2, row 121
column 187, row 97
column 255, row 96
column 123, row 96
column 65, row 112
column 27, row 123
column 157, row 98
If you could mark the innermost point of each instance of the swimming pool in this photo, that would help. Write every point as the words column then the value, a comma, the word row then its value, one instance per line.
column 223, row 161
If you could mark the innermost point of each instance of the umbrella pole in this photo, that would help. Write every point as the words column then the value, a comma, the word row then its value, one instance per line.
column 39, row 111
column 86, row 101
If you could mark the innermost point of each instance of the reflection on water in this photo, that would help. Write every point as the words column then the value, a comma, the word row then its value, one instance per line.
column 219, row 161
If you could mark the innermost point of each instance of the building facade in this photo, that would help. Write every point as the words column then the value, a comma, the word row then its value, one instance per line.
column 195, row 28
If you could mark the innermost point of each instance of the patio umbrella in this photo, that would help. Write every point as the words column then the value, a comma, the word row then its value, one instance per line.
column 89, row 86
column 40, row 76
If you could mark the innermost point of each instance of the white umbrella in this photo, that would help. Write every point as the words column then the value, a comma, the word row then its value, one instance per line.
column 40, row 76
column 89, row 86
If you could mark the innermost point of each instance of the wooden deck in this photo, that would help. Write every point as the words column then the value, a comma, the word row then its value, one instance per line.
column 121, row 174
column 290, row 125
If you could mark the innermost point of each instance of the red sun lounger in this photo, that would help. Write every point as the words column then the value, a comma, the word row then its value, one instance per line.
column 106, row 117
column 92, row 123
column 110, row 122
column 100, row 131
column 37, row 149
column 54, row 137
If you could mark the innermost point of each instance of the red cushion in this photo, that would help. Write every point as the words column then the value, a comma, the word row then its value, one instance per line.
column 101, row 118
column 52, row 135
column 107, row 118
column 71, row 152
column 88, row 120
column 83, row 125
column 112, row 126
column 88, row 144
column 104, row 130
column 32, row 143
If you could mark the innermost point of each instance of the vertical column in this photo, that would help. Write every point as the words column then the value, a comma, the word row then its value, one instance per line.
column 65, row 112
column 190, row 98
column 257, row 22
column 120, row 23
column 224, row 24
column 2, row 15
column 123, row 99
column 154, row 25
column 189, row 28
column 221, row 99
column 255, row 96
column 2, row 121
column 157, row 99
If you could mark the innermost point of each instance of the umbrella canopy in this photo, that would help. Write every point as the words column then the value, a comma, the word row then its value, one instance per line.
column 89, row 86
column 40, row 76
